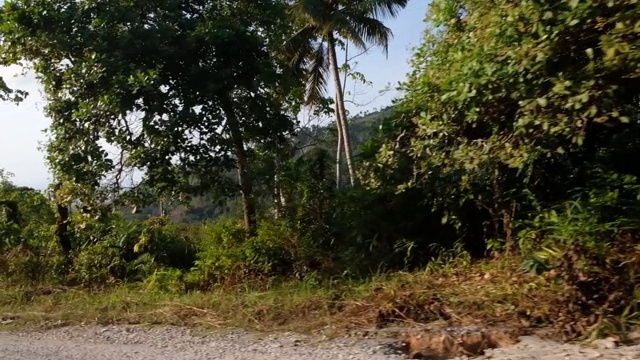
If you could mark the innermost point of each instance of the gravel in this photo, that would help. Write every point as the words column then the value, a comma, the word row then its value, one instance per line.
column 158, row 343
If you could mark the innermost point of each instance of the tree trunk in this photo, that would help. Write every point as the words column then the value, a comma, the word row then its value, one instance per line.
column 343, row 123
column 507, row 225
column 339, row 146
column 62, row 230
column 338, row 127
column 246, row 187
column 62, row 226
column 277, row 196
column 163, row 210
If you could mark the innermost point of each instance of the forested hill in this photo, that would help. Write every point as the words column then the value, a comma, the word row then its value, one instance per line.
column 362, row 125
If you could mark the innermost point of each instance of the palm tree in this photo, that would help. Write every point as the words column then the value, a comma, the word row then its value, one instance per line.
column 323, row 25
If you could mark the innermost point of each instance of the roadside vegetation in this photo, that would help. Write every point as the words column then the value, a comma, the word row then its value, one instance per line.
column 502, row 188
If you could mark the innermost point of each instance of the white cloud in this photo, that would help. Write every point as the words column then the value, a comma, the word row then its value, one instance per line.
column 9, row 71
column 21, row 130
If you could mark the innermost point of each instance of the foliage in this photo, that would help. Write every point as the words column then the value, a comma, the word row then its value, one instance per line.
column 31, row 218
column 114, row 249
column 512, row 106
column 596, row 259
column 166, row 280
column 344, row 226
column 228, row 256
column 97, row 265
column 601, row 288
column 33, row 265
column 518, row 133
column 180, row 113
column 8, row 94
column 358, row 22
column 29, row 254
column 512, row 128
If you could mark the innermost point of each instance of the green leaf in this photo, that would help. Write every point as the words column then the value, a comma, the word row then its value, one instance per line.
column 542, row 101
column 589, row 53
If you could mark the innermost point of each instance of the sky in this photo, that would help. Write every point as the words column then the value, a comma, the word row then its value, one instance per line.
column 21, row 126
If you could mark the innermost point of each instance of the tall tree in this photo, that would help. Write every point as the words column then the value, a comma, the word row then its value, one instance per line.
column 181, row 89
column 323, row 25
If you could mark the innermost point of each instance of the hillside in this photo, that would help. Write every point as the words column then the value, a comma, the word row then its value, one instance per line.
column 361, row 127
column 314, row 137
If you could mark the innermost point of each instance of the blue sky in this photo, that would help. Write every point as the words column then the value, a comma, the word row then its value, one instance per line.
column 21, row 126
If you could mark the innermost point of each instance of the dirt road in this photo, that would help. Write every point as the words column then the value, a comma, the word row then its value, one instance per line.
column 162, row 343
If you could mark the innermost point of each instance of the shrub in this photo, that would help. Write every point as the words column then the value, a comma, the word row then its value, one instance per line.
column 229, row 256
column 32, row 265
column 99, row 264
column 592, row 245
column 168, row 244
column 219, row 257
column 166, row 280
column 114, row 248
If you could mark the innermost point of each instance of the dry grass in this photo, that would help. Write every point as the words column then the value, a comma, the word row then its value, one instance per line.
column 489, row 293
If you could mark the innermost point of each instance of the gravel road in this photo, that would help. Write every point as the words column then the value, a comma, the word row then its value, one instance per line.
column 162, row 343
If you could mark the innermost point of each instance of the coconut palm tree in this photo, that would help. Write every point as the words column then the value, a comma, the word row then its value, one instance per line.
column 323, row 25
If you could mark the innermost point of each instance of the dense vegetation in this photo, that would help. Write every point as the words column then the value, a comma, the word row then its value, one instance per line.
column 518, row 134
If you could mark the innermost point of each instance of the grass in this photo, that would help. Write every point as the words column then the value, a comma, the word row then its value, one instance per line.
column 490, row 293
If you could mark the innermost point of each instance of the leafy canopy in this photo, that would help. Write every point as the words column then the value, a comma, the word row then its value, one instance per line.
column 147, row 86
column 514, row 101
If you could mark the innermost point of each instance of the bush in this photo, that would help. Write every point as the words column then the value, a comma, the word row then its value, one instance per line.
column 592, row 246
column 219, row 255
column 117, row 249
column 168, row 244
column 166, row 280
column 99, row 264
column 602, row 288
column 384, row 231
column 359, row 231
column 229, row 256
column 32, row 265
column 28, row 253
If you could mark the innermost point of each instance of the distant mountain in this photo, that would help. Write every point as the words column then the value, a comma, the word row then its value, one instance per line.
column 361, row 127
column 363, row 124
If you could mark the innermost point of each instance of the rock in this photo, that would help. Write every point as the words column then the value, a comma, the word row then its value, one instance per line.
column 608, row 343
column 455, row 342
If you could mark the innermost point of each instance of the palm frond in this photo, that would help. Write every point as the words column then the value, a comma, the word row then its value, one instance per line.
column 369, row 30
column 342, row 24
column 299, row 47
column 314, row 12
column 357, row 21
column 380, row 9
column 317, row 74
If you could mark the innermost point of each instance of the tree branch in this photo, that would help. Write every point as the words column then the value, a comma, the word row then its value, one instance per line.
column 365, row 51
